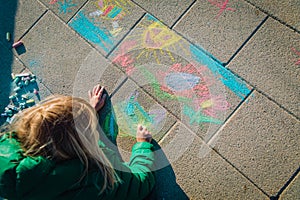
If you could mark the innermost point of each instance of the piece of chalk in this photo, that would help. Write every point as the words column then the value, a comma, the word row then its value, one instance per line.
column 17, row 80
column 16, row 44
column 35, row 91
column 30, row 102
column 4, row 114
column 8, row 36
column 17, row 89
column 12, row 97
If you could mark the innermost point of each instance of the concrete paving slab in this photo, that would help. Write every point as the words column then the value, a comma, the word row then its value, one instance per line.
column 166, row 11
column 262, row 141
column 132, row 106
column 17, row 17
column 54, row 53
column 105, row 23
column 65, row 9
column 223, row 28
column 203, row 177
column 95, row 69
column 293, row 190
column 186, row 81
column 270, row 61
column 286, row 11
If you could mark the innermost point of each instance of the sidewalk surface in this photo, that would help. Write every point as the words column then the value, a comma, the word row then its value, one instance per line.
column 216, row 81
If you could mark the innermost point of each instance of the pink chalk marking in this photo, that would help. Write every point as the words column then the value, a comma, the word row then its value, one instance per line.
column 126, row 62
column 53, row 1
column 100, row 3
column 218, row 103
column 297, row 53
column 222, row 6
column 107, row 10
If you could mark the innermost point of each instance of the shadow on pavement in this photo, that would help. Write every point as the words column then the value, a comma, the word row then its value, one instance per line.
column 7, row 26
column 166, row 187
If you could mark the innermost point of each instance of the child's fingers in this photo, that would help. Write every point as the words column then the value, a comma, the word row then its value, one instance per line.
column 97, row 89
column 101, row 90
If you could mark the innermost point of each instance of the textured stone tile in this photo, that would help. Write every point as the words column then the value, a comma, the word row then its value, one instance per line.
column 105, row 23
column 54, row 53
column 166, row 11
column 195, row 88
column 17, row 17
column 293, row 190
column 132, row 106
column 65, row 9
column 286, row 11
column 203, row 176
column 220, row 31
column 95, row 69
column 270, row 61
column 262, row 141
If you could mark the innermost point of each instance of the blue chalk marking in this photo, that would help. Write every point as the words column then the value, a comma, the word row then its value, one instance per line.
column 235, row 84
column 65, row 7
column 91, row 32
column 181, row 81
column 151, row 18
column 115, row 11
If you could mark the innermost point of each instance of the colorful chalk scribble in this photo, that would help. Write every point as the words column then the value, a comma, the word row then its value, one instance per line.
column 103, row 25
column 65, row 6
column 156, row 39
column 95, row 34
column 298, row 54
column 130, row 113
column 191, row 84
column 222, row 5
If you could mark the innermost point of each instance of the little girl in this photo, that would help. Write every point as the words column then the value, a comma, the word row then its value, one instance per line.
column 54, row 151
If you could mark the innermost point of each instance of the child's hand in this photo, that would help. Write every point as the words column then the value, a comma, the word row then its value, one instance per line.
column 97, row 97
column 142, row 134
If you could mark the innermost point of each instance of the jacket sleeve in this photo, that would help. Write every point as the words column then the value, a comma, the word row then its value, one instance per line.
column 10, row 156
column 136, row 177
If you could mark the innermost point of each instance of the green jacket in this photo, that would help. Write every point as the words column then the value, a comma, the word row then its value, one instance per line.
column 40, row 178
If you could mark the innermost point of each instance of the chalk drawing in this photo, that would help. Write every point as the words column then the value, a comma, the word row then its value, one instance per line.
column 66, row 6
column 298, row 54
column 181, row 81
column 157, row 39
column 198, row 117
column 130, row 113
column 96, row 35
column 190, row 83
column 96, row 13
column 113, row 9
column 222, row 5
column 53, row 1
column 232, row 82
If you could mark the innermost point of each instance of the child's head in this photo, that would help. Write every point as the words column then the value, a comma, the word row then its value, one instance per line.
column 62, row 128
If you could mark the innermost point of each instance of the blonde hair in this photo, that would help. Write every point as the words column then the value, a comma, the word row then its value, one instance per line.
column 63, row 128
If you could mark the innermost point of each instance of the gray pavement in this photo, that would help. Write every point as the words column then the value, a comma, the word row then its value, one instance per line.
column 216, row 81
